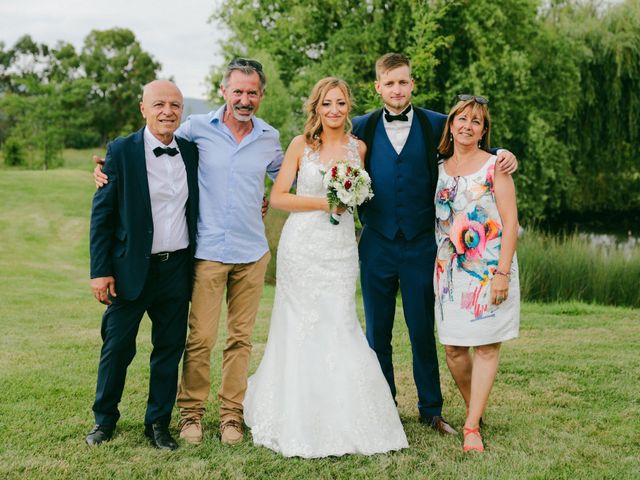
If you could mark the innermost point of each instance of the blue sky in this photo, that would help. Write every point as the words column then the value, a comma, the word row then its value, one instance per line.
column 175, row 33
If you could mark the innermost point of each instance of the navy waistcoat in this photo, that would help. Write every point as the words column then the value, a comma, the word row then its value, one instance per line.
column 403, row 200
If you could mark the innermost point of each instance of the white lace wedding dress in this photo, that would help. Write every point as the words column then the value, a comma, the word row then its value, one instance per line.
column 319, row 390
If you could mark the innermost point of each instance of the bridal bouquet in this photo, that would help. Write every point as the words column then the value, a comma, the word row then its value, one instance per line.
column 347, row 186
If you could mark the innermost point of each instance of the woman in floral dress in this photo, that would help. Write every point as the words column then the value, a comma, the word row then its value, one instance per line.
column 476, row 275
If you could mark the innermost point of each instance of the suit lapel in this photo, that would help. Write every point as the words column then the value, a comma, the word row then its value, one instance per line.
column 430, row 144
column 140, row 168
column 369, row 133
column 189, row 164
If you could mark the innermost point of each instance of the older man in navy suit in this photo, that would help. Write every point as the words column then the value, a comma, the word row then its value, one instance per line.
column 397, row 246
column 142, row 243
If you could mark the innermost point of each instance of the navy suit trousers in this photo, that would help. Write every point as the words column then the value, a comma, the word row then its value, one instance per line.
column 385, row 266
column 165, row 298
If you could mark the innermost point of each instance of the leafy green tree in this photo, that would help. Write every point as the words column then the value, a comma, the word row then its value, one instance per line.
column 117, row 67
column 552, row 70
column 32, row 71
column 308, row 41
column 38, row 124
column 24, row 66
column 605, row 130
column 55, row 97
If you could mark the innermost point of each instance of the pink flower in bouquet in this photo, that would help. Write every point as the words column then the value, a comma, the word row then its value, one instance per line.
column 347, row 184
column 468, row 236
column 334, row 171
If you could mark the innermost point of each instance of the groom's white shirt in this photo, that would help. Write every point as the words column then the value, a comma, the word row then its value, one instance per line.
column 398, row 132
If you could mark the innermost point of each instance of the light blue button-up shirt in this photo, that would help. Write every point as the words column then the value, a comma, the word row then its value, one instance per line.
column 231, row 182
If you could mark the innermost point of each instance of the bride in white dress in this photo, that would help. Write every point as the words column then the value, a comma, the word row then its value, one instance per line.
column 319, row 390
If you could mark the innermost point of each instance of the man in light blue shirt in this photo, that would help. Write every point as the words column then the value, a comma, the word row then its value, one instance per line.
column 236, row 150
column 231, row 180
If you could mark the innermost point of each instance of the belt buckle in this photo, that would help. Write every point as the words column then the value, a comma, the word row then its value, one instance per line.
column 163, row 257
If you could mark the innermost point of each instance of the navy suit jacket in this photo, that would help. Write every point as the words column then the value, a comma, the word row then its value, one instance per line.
column 121, row 232
column 431, row 124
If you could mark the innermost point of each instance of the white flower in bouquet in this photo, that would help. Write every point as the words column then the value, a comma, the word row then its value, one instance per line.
column 347, row 186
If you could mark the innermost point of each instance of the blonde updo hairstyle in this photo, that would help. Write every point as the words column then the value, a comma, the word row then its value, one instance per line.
column 313, row 125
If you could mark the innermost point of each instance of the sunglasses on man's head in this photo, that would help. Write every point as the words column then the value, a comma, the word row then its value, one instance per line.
column 244, row 62
column 481, row 100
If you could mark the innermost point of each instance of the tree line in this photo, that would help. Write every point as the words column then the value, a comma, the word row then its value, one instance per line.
column 56, row 97
column 562, row 77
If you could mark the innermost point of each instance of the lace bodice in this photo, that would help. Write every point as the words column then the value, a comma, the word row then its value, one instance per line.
column 329, row 251
column 311, row 170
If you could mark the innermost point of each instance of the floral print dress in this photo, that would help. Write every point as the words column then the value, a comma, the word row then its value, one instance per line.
column 468, row 234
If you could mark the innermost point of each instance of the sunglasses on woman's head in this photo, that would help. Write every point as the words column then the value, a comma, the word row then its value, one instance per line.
column 477, row 98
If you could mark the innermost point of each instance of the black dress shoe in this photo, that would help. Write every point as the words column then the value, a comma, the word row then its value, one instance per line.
column 160, row 437
column 439, row 424
column 99, row 434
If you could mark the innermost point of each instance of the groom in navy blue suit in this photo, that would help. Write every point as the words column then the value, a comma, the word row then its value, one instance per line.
column 397, row 245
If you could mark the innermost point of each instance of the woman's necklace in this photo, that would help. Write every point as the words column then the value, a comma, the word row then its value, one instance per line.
column 459, row 164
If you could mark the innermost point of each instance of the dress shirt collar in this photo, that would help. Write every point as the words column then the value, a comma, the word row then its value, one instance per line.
column 152, row 142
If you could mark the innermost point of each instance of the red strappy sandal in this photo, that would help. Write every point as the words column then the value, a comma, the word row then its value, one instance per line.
column 481, row 423
column 469, row 431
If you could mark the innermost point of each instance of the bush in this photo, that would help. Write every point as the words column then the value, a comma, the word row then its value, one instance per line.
column 13, row 152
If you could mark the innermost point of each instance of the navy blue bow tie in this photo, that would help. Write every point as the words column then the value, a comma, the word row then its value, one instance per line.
column 402, row 117
column 172, row 152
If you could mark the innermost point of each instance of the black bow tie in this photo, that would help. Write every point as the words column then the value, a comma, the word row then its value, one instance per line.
column 402, row 117
column 172, row 152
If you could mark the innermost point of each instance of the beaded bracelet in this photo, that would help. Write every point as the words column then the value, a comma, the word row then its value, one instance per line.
column 498, row 272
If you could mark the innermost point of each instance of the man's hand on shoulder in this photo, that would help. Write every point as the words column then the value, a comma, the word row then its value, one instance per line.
column 102, row 288
column 506, row 162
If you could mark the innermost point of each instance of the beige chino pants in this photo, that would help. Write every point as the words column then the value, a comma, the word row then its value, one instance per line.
column 244, row 283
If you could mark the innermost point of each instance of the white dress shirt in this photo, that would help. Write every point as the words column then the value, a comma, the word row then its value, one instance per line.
column 168, row 192
column 398, row 131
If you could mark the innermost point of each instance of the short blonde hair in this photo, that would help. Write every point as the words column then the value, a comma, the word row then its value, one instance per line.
column 446, row 142
column 313, row 125
column 390, row 61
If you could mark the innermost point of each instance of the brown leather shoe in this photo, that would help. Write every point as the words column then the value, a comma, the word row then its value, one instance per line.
column 231, row 432
column 191, row 430
column 440, row 425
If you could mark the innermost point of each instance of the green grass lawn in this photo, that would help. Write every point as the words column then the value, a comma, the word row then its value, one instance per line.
column 74, row 158
column 81, row 158
column 565, row 404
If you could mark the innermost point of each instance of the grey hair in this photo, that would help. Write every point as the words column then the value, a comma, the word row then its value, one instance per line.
column 247, row 70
